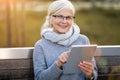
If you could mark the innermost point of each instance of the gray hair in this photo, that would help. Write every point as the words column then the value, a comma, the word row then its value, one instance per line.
column 55, row 7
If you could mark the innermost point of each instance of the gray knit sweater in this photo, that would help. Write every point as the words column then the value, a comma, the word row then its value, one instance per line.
column 44, row 57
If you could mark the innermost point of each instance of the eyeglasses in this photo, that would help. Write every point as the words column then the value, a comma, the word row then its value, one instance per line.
column 61, row 17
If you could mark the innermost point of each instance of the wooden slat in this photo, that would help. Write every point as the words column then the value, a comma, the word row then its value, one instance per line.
column 108, row 60
column 16, row 53
column 16, row 73
column 108, row 70
column 16, row 64
column 109, row 77
column 108, row 51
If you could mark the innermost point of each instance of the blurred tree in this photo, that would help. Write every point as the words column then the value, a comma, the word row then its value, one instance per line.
column 16, row 21
column 23, row 22
column 8, row 21
column 93, row 3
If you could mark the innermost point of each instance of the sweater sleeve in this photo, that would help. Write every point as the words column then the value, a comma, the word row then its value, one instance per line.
column 84, row 39
column 41, row 71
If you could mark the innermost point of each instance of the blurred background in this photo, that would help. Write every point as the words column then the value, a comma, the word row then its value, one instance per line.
column 21, row 20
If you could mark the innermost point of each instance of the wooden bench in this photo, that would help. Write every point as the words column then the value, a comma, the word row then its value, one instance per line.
column 16, row 63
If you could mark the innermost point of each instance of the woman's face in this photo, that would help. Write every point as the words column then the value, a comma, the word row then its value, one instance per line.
column 62, row 20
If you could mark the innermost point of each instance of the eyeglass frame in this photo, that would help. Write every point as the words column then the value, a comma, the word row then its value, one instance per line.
column 61, row 17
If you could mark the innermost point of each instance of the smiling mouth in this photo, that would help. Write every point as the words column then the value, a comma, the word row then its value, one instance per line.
column 63, row 27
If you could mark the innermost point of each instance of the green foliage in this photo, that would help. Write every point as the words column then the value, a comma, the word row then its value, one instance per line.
column 101, row 26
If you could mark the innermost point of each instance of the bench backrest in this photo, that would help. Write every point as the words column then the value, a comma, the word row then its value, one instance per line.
column 108, row 62
column 16, row 63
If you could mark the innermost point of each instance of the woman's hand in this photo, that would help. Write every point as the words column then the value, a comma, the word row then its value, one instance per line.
column 62, row 58
column 87, row 68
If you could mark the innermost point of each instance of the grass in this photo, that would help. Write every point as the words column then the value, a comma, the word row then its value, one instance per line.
column 101, row 26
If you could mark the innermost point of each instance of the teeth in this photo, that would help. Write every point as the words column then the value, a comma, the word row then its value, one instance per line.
column 62, row 26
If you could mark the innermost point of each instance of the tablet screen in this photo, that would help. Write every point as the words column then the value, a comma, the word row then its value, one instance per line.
column 78, row 53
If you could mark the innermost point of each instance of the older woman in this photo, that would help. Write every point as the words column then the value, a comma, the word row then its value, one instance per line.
column 59, row 33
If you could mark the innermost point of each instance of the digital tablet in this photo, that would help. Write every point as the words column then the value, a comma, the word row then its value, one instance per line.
column 78, row 53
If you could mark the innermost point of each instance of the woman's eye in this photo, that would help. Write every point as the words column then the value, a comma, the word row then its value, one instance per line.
column 68, row 17
column 60, row 16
